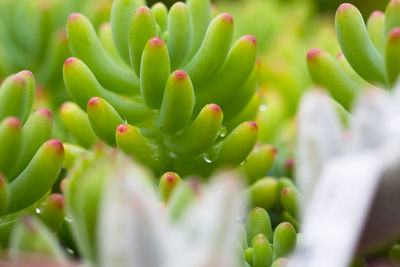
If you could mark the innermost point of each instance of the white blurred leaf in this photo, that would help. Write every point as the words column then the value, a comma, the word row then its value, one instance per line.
column 319, row 139
column 357, row 189
column 369, row 122
column 131, row 223
column 207, row 235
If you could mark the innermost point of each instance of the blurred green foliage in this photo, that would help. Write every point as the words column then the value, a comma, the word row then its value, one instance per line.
column 366, row 6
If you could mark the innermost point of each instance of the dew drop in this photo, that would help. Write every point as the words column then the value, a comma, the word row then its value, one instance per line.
column 222, row 132
column 210, row 156
column 262, row 107
column 206, row 159
column 37, row 211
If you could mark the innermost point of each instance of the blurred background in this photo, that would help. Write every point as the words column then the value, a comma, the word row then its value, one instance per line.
column 366, row 6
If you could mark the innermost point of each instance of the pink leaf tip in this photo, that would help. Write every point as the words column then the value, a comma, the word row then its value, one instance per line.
column 214, row 107
column 14, row 122
column 253, row 125
column 251, row 39
column 94, row 101
column 156, row 41
column 57, row 144
column 57, row 200
column 27, row 72
column 344, row 7
column 285, row 191
column 180, row 75
column 69, row 61
column 123, row 128
column 377, row 13
column 394, row 34
column 226, row 17
column 45, row 112
column 74, row 16
column 314, row 53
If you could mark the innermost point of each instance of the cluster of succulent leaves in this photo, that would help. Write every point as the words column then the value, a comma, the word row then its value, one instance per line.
column 370, row 54
column 177, row 92
column 173, row 92
column 116, row 214
column 33, row 37
column 30, row 162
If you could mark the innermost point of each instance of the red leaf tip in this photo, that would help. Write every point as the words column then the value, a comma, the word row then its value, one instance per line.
column 214, row 107
column 94, row 101
column 289, row 163
column 394, row 34
column 143, row 9
column 251, row 39
column 27, row 72
column 19, row 79
column 180, row 75
column 156, row 41
column 253, row 125
column 377, row 13
column 287, row 224
column 345, row 6
column 74, row 16
column 57, row 200
column 285, row 191
column 69, row 61
column 122, row 128
column 314, row 53
column 57, row 144
column 170, row 177
column 226, row 17
column 45, row 112
column 14, row 122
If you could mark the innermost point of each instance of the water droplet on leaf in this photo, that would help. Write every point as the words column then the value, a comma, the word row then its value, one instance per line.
column 222, row 132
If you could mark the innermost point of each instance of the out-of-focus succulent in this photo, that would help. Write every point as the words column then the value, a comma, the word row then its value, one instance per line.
column 30, row 163
column 168, row 88
column 370, row 53
column 264, row 247
column 117, row 219
column 32, row 36
column 366, row 154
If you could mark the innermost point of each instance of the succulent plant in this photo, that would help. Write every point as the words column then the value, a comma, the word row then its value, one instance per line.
column 118, row 216
column 267, row 248
column 370, row 54
column 32, row 37
column 30, row 163
column 167, row 87
column 366, row 154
